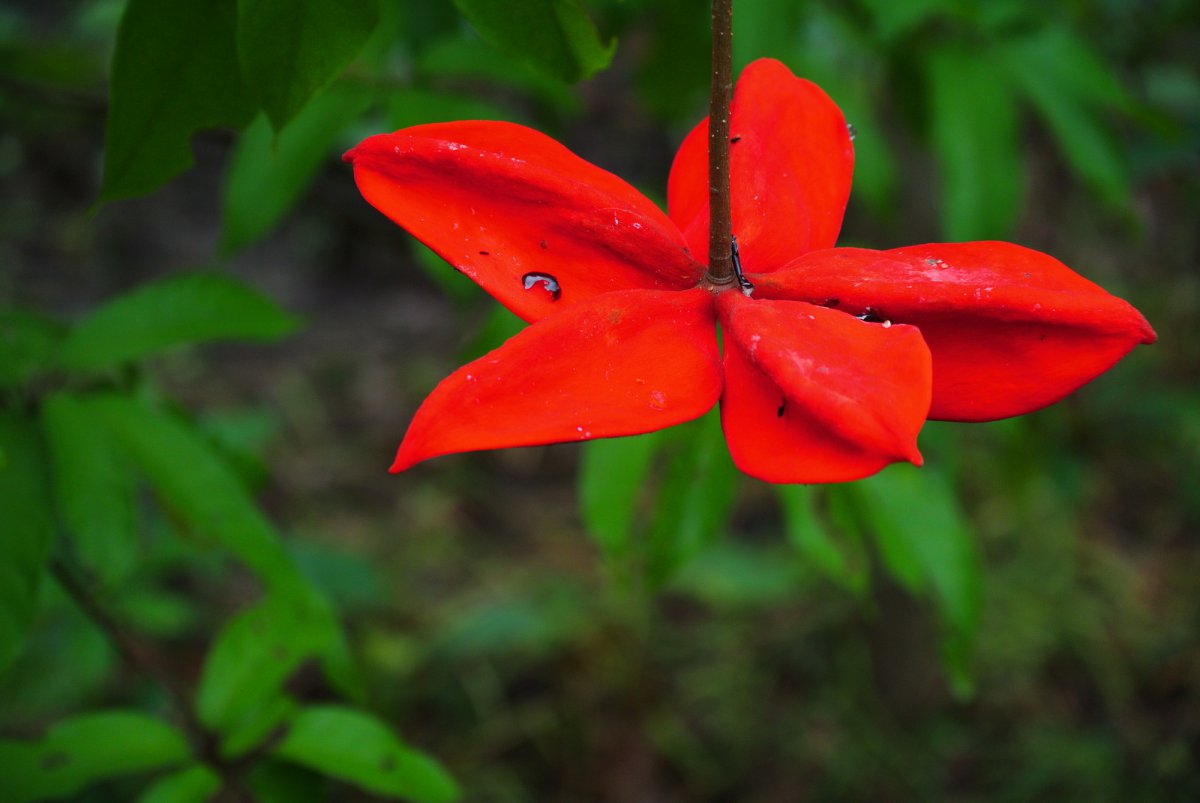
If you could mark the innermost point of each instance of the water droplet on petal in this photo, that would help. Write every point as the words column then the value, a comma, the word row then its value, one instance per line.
column 852, row 131
column 658, row 400
column 548, row 282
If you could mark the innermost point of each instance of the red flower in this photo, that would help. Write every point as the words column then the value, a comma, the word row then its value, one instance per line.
column 830, row 367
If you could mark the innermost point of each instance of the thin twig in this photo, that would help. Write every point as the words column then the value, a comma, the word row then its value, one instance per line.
column 720, row 224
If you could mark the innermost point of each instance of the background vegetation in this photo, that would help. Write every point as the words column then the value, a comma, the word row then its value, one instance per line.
column 210, row 586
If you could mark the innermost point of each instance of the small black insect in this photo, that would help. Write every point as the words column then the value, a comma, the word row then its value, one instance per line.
column 782, row 408
column 871, row 315
column 485, row 253
column 734, row 139
column 744, row 283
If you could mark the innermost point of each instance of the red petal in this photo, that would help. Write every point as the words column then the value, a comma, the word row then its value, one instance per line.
column 790, row 169
column 500, row 202
column 1011, row 329
column 813, row 395
column 618, row 364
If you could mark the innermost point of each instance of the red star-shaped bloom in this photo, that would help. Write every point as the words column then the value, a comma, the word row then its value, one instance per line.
column 830, row 367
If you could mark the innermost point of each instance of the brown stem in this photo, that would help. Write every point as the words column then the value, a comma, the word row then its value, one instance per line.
column 720, row 222
column 137, row 657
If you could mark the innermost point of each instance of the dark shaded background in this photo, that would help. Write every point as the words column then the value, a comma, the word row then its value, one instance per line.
column 492, row 633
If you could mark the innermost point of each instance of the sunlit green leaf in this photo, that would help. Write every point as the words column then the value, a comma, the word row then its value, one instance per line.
column 198, row 487
column 179, row 310
column 974, row 131
column 175, row 72
column 556, row 36
column 78, row 752
column 195, row 784
column 94, row 486
column 357, row 748
column 27, row 529
column 268, row 173
column 289, row 49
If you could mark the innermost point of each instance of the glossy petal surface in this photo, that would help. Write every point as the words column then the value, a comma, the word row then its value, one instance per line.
column 1011, row 329
column 791, row 162
column 499, row 202
column 813, row 395
column 620, row 364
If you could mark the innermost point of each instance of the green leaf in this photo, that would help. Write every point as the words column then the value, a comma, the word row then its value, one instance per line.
column 974, row 134
column 463, row 56
column 731, row 574
column 184, row 309
column 290, row 49
column 199, row 488
column 694, row 499
column 27, row 530
column 925, row 541
column 93, row 485
column 555, row 36
column 195, row 784
column 357, row 748
column 27, row 345
column 81, row 751
column 1072, row 91
column 613, row 475
column 277, row 782
column 809, row 535
column 408, row 107
column 894, row 20
column 240, row 693
column 175, row 71
column 269, row 173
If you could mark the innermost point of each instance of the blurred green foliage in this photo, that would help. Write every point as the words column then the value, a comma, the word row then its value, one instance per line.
column 1015, row 621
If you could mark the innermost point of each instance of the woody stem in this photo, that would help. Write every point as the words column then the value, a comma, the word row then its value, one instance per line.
column 720, row 223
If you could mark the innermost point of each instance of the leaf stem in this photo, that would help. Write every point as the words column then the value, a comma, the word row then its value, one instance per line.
column 720, row 222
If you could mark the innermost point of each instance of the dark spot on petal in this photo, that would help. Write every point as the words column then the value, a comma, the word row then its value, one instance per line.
column 735, row 139
column 485, row 253
column 1041, row 338
column 831, row 302
column 544, row 244
column 548, row 282
column 782, row 408
column 1028, row 275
